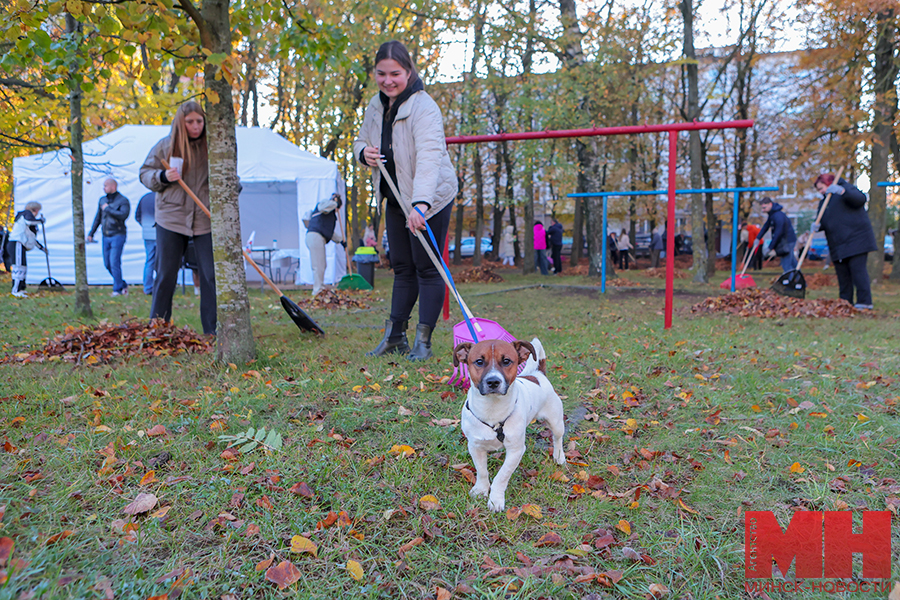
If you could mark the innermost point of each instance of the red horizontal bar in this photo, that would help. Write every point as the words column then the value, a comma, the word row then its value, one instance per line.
column 624, row 130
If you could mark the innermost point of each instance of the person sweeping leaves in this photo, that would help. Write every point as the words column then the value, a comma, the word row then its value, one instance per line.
column 22, row 238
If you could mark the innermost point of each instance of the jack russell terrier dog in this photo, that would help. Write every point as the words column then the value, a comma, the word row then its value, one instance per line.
column 500, row 405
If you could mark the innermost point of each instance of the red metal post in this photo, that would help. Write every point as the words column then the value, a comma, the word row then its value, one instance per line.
column 670, row 229
column 624, row 130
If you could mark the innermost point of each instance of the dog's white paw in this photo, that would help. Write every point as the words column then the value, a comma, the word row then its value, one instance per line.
column 480, row 490
column 497, row 504
column 559, row 456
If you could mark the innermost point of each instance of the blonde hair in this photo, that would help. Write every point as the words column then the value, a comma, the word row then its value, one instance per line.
column 181, row 142
column 32, row 206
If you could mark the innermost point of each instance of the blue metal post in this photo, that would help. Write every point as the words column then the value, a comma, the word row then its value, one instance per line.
column 603, row 245
column 734, row 238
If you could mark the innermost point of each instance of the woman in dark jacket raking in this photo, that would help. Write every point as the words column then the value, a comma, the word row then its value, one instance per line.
column 850, row 237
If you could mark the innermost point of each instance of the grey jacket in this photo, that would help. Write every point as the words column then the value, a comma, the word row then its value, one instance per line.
column 175, row 210
column 113, row 217
column 424, row 171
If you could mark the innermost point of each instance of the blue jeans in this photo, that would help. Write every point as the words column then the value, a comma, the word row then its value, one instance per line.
column 788, row 263
column 540, row 257
column 149, row 265
column 112, row 259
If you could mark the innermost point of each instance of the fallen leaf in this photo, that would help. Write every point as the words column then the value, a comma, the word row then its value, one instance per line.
column 796, row 468
column 532, row 510
column 300, row 544
column 6, row 548
column 355, row 569
column 658, row 589
column 631, row 553
column 442, row 594
column 301, row 489
column 159, row 514
column 141, row 504
column 624, row 526
column 409, row 546
column 283, row 575
column 429, row 503
column 149, row 477
column 265, row 564
column 157, row 430
column 548, row 539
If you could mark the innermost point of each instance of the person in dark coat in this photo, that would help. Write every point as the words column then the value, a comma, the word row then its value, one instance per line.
column 144, row 214
column 112, row 210
column 850, row 237
column 657, row 245
column 783, row 236
column 555, row 233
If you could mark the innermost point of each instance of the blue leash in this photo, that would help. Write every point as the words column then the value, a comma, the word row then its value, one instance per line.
column 449, row 276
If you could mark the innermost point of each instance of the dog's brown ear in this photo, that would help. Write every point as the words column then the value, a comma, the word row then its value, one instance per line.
column 461, row 353
column 524, row 349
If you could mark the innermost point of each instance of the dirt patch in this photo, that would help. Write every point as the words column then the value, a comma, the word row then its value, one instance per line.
column 105, row 343
column 817, row 281
column 482, row 274
column 766, row 304
column 660, row 273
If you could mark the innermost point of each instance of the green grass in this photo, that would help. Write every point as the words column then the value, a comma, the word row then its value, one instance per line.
column 709, row 385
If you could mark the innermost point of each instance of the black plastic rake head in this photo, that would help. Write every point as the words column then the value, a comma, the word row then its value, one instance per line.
column 299, row 317
column 791, row 284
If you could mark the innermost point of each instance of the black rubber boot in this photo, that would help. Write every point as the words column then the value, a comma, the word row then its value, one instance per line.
column 394, row 341
column 421, row 349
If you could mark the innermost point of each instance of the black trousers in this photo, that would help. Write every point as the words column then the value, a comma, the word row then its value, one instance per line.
column 415, row 276
column 851, row 273
column 170, row 249
column 556, row 252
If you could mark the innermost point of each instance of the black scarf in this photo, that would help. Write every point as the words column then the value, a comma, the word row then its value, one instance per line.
column 387, row 132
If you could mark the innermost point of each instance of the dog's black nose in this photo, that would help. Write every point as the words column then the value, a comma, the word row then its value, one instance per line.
column 493, row 383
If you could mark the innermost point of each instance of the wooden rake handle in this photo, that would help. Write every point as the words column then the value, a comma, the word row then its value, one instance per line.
column 205, row 210
column 817, row 221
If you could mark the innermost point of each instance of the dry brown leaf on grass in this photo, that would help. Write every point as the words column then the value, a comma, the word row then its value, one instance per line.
column 301, row 489
column 283, row 575
column 355, row 570
column 441, row 593
column 157, row 430
column 410, row 545
column 658, row 590
column 429, row 502
column 265, row 564
column 141, row 504
column 548, row 539
column 300, row 545
column 6, row 548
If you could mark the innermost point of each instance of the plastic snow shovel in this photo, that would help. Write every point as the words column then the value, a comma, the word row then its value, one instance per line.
column 297, row 315
column 793, row 283
column 49, row 283
column 741, row 281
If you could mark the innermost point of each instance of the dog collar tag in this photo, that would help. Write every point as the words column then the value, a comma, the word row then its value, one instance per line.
column 500, row 435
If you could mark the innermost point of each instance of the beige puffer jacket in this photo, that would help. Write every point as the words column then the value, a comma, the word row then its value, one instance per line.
column 175, row 210
column 424, row 171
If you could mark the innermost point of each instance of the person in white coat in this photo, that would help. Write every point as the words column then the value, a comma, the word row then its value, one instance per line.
column 403, row 129
column 22, row 238
column 507, row 247
column 323, row 228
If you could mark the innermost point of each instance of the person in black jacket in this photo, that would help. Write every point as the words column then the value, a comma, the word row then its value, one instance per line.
column 850, row 237
column 555, row 235
column 112, row 210
column 783, row 236
column 323, row 227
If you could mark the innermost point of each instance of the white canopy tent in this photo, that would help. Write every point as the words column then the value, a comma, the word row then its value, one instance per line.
column 280, row 182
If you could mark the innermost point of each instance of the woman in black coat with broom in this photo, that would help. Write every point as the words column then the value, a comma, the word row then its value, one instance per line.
column 850, row 237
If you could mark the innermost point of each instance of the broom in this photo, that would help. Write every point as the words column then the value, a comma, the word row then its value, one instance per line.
column 351, row 281
column 793, row 283
column 297, row 315
column 471, row 329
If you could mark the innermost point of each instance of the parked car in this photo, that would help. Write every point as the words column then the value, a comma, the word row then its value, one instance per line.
column 467, row 247
column 641, row 245
column 818, row 250
column 889, row 247
column 567, row 246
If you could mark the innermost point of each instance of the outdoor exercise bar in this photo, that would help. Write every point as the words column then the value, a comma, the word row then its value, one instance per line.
column 671, row 128
column 887, row 183
column 734, row 225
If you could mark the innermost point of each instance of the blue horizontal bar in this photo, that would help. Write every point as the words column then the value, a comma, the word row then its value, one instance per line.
column 887, row 183
column 664, row 192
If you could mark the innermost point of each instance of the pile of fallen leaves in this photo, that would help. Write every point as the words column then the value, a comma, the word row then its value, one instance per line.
column 106, row 342
column 766, row 303
column 333, row 298
column 660, row 273
column 481, row 274
column 817, row 281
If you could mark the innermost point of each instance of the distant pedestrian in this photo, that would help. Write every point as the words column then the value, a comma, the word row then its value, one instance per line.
column 112, row 210
column 656, row 248
column 323, row 227
column 624, row 250
column 540, row 247
column 145, row 215
column 850, row 237
column 555, row 233
column 612, row 243
column 783, row 236
column 507, row 247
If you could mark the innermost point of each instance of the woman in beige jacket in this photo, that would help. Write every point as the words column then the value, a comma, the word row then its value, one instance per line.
column 404, row 128
column 178, row 219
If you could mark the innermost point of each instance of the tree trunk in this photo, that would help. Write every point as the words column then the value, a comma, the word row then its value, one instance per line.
column 577, row 230
column 234, row 340
column 479, row 207
column 528, row 263
column 885, row 110
column 693, row 112
column 82, row 296
column 458, row 232
column 499, row 206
